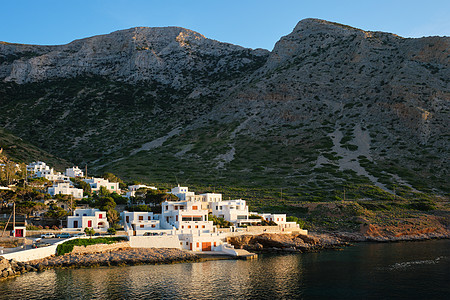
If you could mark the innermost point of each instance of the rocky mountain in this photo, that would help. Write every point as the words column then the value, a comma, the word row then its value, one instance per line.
column 331, row 112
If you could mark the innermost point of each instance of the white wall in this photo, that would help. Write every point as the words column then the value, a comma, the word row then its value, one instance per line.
column 37, row 253
column 165, row 241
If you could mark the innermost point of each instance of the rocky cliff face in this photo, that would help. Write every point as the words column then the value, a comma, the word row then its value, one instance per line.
column 330, row 106
column 171, row 55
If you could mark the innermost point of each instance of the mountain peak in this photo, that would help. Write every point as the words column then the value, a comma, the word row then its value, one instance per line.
column 314, row 24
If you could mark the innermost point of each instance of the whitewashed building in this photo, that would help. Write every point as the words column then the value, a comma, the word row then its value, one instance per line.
column 234, row 211
column 139, row 222
column 133, row 188
column 74, row 172
column 91, row 218
column 96, row 183
column 38, row 166
column 184, row 215
column 65, row 188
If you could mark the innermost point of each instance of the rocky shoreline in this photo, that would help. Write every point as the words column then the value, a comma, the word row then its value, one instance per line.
column 299, row 243
column 120, row 257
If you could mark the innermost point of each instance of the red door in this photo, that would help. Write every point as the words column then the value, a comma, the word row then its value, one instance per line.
column 206, row 246
column 190, row 246
column 19, row 232
column 89, row 224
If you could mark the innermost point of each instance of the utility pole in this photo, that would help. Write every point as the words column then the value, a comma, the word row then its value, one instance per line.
column 14, row 218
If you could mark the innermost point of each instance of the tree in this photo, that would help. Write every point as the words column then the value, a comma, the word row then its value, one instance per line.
column 113, row 216
column 28, row 207
column 111, row 231
column 9, row 172
column 56, row 213
column 89, row 231
column 103, row 191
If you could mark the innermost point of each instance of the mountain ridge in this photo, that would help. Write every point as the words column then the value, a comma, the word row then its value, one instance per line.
column 329, row 106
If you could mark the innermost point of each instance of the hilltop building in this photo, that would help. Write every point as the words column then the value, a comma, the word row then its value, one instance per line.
column 96, row 183
column 133, row 188
column 65, row 188
column 74, row 172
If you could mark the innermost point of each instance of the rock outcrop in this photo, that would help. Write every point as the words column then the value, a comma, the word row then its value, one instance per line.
column 286, row 242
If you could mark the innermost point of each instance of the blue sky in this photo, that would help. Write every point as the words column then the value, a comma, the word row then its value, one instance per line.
column 249, row 23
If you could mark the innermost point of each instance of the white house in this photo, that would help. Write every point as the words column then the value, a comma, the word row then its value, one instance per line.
column 234, row 211
column 96, row 183
column 207, row 198
column 133, row 188
column 74, row 172
column 38, row 166
column 182, row 193
column 91, row 218
column 277, row 218
column 139, row 222
column 41, row 170
column 54, row 177
column 184, row 215
column 65, row 188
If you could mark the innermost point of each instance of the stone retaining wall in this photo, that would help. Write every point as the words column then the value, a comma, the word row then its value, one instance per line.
column 99, row 248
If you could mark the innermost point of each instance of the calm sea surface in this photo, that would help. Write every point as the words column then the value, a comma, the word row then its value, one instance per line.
column 409, row 270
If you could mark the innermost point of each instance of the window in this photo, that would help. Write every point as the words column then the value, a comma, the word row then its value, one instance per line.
column 149, row 218
column 196, row 226
column 176, row 207
column 176, row 218
column 194, row 207
column 217, row 208
column 141, row 218
column 187, row 243
column 100, row 216
column 189, row 226
column 182, row 226
column 198, row 245
column 167, row 207
column 112, row 187
column 153, row 225
column 203, row 226
column 214, row 244
column 142, row 226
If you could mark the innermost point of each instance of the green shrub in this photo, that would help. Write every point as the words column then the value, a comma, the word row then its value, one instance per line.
column 422, row 205
column 67, row 247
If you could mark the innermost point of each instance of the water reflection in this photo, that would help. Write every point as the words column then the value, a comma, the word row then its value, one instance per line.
column 366, row 271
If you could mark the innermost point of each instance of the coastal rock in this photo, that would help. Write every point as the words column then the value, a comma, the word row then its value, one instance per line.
column 281, row 242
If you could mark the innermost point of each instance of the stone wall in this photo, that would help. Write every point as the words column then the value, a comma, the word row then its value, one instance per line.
column 99, row 248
